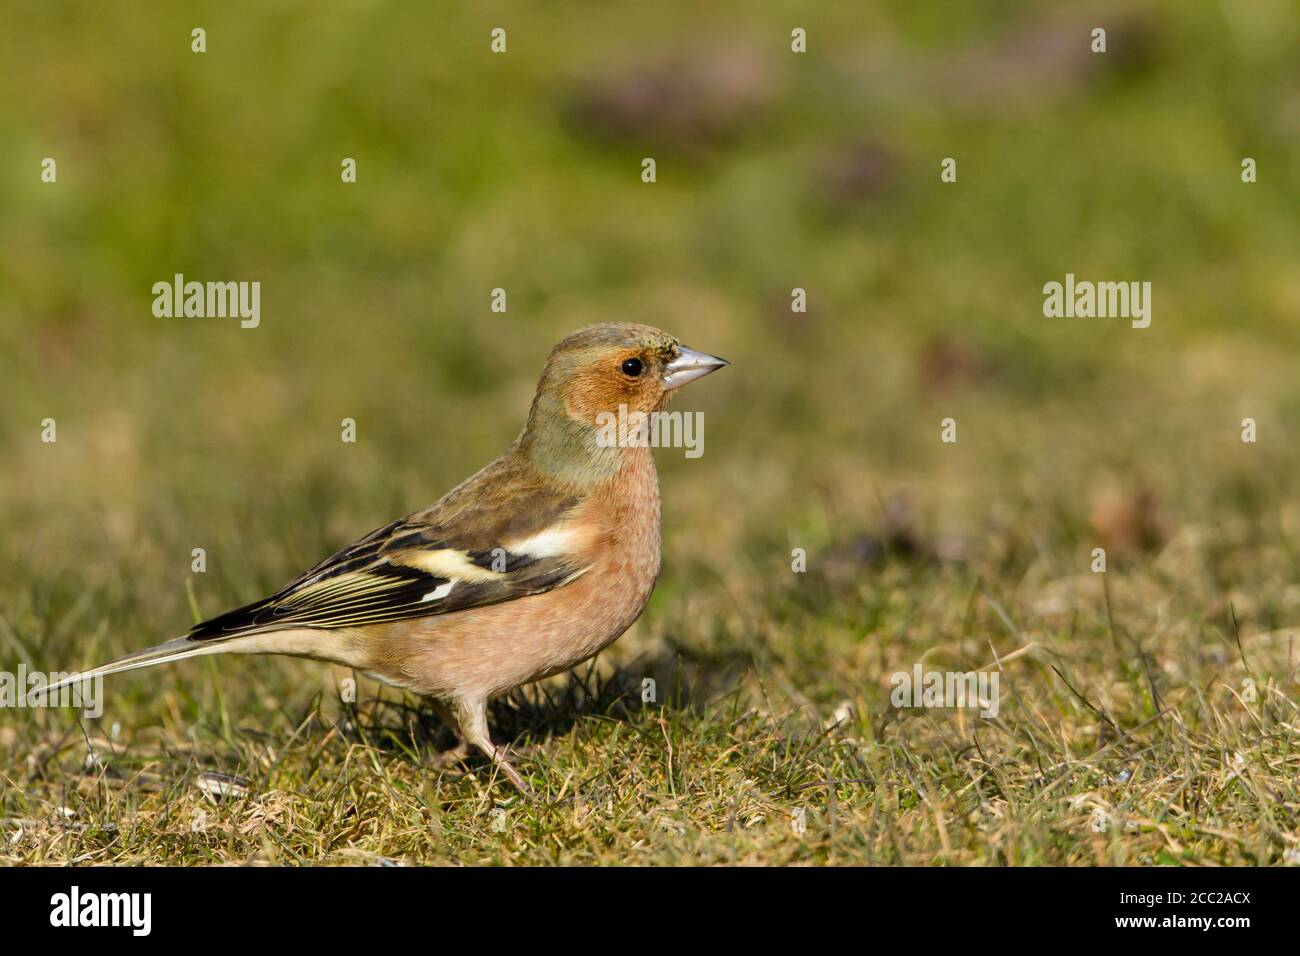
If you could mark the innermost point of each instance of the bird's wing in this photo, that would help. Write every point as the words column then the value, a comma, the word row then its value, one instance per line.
column 456, row 555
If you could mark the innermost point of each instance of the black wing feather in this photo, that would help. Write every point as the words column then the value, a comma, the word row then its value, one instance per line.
column 370, row 588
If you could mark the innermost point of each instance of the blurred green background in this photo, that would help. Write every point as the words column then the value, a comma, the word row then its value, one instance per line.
column 522, row 171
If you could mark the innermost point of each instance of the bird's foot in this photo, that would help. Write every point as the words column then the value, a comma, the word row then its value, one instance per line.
column 511, row 774
column 450, row 758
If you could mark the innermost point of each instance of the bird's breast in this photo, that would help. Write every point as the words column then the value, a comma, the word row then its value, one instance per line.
column 487, row 651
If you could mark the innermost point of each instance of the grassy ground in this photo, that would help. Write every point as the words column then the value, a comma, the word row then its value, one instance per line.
column 1146, row 715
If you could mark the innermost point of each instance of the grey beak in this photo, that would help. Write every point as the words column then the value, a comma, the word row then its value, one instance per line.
column 688, row 365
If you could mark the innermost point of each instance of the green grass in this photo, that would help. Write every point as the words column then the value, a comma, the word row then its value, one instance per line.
column 1126, row 731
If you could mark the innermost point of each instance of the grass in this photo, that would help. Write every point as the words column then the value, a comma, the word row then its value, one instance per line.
column 1122, row 738
column 1147, row 715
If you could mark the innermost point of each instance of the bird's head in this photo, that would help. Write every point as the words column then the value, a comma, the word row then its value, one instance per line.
column 613, row 368
column 602, row 367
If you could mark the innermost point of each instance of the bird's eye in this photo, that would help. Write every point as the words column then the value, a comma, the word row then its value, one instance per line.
column 632, row 367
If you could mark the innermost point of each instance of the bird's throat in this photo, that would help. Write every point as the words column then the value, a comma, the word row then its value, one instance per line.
column 570, row 452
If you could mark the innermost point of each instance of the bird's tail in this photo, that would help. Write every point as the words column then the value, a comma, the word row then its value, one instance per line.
column 174, row 650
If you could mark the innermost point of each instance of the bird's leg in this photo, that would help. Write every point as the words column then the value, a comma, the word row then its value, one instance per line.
column 459, row 752
column 472, row 717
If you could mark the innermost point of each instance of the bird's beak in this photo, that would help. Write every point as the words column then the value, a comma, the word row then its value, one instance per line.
column 688, row 365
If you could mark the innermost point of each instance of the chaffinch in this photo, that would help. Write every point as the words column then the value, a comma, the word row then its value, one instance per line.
column 524, row 570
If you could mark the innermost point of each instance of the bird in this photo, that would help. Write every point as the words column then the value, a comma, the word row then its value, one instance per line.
column 527, row 568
